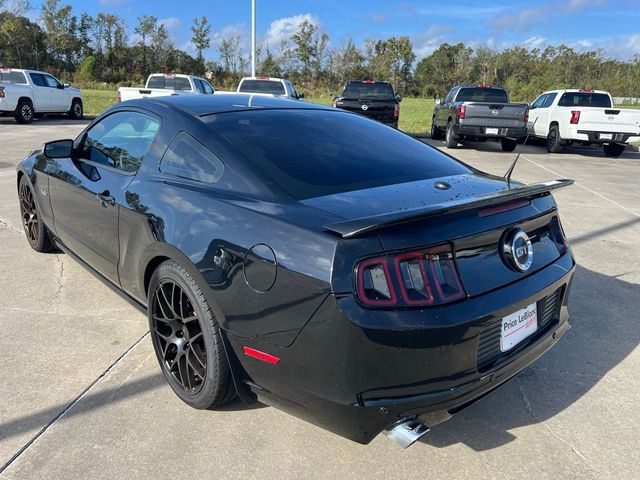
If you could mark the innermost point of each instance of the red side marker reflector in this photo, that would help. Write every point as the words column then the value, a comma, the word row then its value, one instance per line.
column 265, row 357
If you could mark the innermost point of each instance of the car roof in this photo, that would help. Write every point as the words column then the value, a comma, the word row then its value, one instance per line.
column 201, row 105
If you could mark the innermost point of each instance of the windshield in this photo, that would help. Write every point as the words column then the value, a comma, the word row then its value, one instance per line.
column 262, row 86
column 311, row 153
column 482, row 94
column 584, row 99
column 375, row 89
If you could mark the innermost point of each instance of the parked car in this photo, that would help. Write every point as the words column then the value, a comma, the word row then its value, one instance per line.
column 587, row 117
column 372, row 99
column 26, row 94
column 269, row 86
column 307, row 257
column 479, row 113
column 163, row 84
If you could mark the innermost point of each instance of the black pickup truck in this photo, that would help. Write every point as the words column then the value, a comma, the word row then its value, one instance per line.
column 479, row 113
column 375, row 100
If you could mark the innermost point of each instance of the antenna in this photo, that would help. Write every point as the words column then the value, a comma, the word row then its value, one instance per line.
column 507, row 176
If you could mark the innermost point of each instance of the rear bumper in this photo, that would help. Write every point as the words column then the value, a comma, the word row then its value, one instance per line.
column 355, row 371
column 461, row 131
column 604, row 137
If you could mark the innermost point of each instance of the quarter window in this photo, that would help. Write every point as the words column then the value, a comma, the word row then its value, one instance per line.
column 120, row 140
column 188, row 158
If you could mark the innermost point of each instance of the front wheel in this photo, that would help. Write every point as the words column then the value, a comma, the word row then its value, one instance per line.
column 436, row 134
column 613, row 149
column 508, row 144
column 450, row 140
column 187, row 339
column 76, row 112
column 36, row 231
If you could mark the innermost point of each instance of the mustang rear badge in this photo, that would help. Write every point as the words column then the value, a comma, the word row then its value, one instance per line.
column 517, row 251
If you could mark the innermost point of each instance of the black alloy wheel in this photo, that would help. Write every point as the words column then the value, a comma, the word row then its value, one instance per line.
column 24, row 112
column 554, row 141
column 36, row 232
column 178, row 334
column 435, row 131
column 76, row 111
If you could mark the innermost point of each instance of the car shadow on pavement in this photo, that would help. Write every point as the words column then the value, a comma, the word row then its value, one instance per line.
column 47, row 121
column 603, row 314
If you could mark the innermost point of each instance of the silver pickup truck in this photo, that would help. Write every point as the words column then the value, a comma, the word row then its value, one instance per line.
column 479, row 113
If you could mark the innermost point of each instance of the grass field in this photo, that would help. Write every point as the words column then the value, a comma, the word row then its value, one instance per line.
column 415, row 113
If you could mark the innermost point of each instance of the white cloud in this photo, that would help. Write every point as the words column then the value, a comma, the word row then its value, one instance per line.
column 283, row 28
column 172, row 24
column 426, row 43
column 536, row 41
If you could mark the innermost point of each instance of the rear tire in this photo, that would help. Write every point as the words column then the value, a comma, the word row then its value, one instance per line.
column 613, row 149
column 508, row 144
column 24, row 111
column 187, row 340
column 436, row 134
column 450, row 140
column 554, row 141
column 77, row 111
column 35, row 230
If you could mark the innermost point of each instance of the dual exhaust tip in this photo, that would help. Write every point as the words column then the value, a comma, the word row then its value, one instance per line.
column 406, row 432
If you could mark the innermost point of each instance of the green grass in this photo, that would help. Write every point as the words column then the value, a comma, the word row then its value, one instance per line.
column 415, row 113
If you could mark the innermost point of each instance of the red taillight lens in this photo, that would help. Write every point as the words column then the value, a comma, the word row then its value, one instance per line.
column 526, row 115
column 119, row 97
column 334, row 104
column 1, row 92
column 575, row 117
column 461, row 111
column 396, row 110
column 426, row 277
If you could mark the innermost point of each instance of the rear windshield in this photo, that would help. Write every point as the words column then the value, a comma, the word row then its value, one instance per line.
column 262, row 86
column 169, row 83
column 584, row 99
column 376, row 89
column 13, row 77
column 479, row 94
column 312, row 153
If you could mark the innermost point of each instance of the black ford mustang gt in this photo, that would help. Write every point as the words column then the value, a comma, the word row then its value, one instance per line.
column 306, row 257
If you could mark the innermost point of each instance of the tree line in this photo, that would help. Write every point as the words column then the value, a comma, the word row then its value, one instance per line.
column 95, row 49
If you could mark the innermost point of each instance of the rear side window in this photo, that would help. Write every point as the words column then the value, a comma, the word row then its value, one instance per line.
column 13, row 77
column 120, row 140
column 368, row 89
column 480, row 94
column 549, row 100
column 188, row 158
column 584, row 99
column 262, row 86
column 312, row 153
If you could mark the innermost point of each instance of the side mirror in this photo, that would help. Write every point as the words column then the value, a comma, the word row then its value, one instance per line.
column 300, row 95
column 66, row 85
column 398, row 98
column 58, row 149
column 438, row 102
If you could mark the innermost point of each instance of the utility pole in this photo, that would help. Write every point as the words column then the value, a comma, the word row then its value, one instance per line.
column 253, row 38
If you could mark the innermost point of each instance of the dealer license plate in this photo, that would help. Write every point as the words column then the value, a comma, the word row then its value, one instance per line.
column 491, row 131
column 518, row 326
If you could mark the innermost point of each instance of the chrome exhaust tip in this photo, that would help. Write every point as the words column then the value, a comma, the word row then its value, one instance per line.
column 406, row 432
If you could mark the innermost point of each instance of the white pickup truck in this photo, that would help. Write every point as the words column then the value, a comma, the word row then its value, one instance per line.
column 587, row 117
column 277, row 87
column 26, row 94
column 164, row 84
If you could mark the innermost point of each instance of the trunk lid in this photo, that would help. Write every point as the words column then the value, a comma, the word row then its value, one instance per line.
column 375, row 108
column 475, row 233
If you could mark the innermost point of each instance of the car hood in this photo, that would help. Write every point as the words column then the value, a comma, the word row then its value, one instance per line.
column 406, row 196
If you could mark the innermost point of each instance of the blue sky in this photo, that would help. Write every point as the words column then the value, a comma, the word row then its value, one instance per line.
column 613, row 25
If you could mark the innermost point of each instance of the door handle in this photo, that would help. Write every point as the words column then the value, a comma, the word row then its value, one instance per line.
column 106, row 199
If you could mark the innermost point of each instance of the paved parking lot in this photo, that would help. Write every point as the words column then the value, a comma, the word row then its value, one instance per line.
column 83, row 396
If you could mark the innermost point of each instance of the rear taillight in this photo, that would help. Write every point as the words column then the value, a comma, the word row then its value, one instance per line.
column 575, row 117
column 421, row 278
column 119, row 97
column 334, row 104
column 1, row 92
column 396, row 110
column 526, row 115
column 460, row 112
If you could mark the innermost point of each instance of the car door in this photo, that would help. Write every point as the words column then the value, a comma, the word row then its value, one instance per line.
column 544, row 114
column 41, row 93
column 59, row 98
column 443, row 111
column 534, row 125
column 87, row 190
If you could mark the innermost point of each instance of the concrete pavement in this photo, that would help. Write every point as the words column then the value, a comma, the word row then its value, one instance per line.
column 83, row 396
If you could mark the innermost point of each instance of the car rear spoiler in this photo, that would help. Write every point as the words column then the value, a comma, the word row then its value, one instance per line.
column 360, row 226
